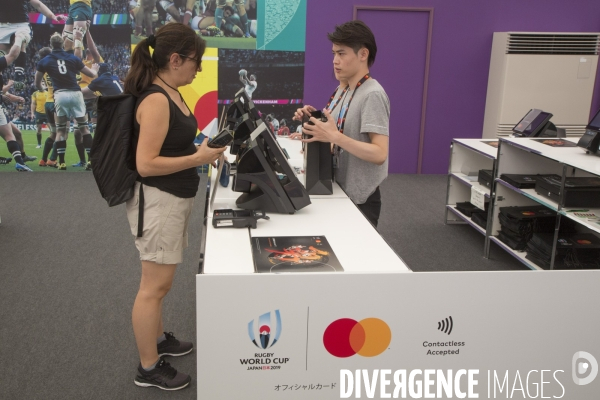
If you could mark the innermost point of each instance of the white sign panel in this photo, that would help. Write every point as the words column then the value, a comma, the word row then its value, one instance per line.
column 495, row 335
column 478, row 196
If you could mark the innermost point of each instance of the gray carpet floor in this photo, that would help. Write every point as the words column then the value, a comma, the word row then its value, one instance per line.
column 69, row 273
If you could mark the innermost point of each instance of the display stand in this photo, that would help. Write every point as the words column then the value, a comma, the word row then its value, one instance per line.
column 276, row 335
column 467, row 157
column 528, row 156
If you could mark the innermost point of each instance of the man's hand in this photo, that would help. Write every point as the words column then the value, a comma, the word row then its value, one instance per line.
column 95, row 67
column 303, row 112
column 322, row 131
column 58, row 18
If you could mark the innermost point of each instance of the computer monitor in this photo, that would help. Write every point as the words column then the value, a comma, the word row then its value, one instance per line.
column 532, row 123
column 537, row 123
column 590, row 140
column 263, row 174
column 595, row 122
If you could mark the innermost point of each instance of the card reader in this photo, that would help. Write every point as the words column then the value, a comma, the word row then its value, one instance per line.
column 228, row 218
column 221, row 140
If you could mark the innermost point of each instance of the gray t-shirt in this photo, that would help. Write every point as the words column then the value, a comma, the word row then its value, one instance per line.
column 369, row 112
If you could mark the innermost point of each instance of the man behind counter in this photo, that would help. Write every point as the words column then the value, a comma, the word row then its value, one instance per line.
column 358, row 115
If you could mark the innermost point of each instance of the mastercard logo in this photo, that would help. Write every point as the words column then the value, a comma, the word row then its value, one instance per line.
column 346, row 337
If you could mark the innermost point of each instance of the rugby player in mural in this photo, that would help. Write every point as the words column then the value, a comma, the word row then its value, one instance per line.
column 15, row 28
column 142, row 13
column 62, row 67
column 250, row 83
column 223, row 18
column 6, row 131
column 38, row 111
column 80, row 12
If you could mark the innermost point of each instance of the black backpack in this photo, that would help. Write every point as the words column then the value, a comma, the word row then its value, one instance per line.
column 113, row 151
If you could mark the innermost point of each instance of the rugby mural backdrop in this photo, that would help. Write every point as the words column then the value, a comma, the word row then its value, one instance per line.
column 255, row 44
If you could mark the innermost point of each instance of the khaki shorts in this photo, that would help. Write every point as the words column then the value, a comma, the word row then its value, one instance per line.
column 166, row 220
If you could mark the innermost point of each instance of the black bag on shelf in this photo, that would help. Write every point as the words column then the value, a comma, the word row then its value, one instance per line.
column 514, row 242
column 525, row 234
column 579, row 191
column 518, row 227
column 528, row 219
column 528, row 212
column 480, row 218
column 467, row 208
column 573, row 250
column 520, row 181
column 485, row 177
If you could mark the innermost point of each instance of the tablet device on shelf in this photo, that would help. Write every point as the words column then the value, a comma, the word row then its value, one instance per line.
column 533, row 123
column 590, row 140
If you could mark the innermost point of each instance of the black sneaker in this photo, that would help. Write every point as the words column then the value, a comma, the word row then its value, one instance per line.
column 163, row 376
column 173, row 347
column 5, row 160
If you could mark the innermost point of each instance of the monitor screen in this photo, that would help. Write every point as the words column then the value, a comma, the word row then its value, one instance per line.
column 595, row 122
column 532, row 123
column 537, row 124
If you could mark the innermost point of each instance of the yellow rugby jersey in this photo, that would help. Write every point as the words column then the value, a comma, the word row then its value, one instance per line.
column 88, row 2
column 85, row 80
column 50, row 92
column 40, row 101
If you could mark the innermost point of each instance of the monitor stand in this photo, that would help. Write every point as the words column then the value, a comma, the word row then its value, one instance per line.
column 256, row 199
column 550, row 130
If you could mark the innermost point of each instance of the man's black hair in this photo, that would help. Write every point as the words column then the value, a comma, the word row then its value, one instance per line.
column 355, row 34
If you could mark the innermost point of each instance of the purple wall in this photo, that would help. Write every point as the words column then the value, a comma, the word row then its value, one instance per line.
column 460, row 57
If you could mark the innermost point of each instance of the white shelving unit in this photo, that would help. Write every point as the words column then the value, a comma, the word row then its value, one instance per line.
column 528, row 156
column 467, row 157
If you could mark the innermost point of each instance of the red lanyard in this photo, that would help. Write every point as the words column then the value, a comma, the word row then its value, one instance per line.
column 341, row 117
column 338, row 99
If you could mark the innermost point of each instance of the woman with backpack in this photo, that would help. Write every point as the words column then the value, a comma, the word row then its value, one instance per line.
column 166, row 160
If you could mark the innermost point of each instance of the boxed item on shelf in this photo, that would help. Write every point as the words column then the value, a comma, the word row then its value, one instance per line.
column 521, row 181
column 485, row 177
column 579, row 191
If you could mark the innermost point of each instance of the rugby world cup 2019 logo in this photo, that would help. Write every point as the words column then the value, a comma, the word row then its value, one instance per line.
column 346, row 337
column 265, row 330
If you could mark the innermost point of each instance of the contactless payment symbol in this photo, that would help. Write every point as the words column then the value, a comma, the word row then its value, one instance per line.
column 265, row 330
column 346, row 337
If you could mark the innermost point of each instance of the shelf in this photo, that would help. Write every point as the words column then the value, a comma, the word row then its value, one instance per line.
column 466, row 219
column 531, row 194
column 480, row 146
column 560, row 154
column 586, row 162
column 592, row 225
column 519, row 255
column 463, row 178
